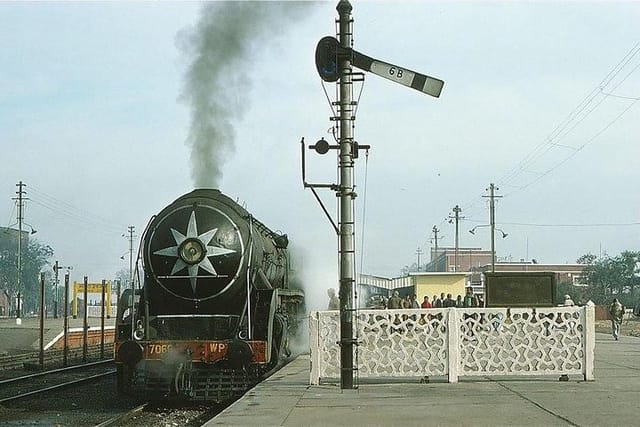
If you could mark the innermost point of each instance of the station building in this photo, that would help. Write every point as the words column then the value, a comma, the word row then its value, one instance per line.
column 452, row 271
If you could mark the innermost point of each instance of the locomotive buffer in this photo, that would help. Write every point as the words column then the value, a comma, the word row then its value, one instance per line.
column 334, row 61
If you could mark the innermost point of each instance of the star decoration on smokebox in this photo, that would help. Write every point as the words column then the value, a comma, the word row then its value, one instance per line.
column 193, row 251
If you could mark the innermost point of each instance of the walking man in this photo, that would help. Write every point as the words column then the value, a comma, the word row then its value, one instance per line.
column 616, row 310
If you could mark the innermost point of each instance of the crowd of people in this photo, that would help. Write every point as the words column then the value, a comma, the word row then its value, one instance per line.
column 395, row 301
column 469, row 300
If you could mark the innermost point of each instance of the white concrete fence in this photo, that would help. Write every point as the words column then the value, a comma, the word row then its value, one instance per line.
column 457, row 342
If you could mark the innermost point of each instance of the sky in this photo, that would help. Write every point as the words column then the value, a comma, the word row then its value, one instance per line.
column 97, row 107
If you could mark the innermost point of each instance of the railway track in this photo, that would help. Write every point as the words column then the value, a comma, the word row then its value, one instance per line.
column 17, row 388
column 86, row 396
column 80, row 396
column 9, row 363
column 165, row 413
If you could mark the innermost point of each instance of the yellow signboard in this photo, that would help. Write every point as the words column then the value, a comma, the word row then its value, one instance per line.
column 93, row 288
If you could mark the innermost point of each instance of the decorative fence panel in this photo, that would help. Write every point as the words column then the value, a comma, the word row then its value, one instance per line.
column 458, row 342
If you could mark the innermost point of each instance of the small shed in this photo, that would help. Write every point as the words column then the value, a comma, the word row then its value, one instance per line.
column 435, row 283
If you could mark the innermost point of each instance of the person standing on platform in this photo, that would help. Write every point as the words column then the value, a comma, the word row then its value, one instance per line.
column 425, row 302
column 334, row 301
column 470, row 300
column 459, row 302
column 617, row 311
column 449, row 301
column 406, row 303
column 413, row 300
column 395, row 302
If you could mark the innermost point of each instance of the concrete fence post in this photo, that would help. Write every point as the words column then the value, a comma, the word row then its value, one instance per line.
column 589, row 340
column 453, row 349
column 314, row 350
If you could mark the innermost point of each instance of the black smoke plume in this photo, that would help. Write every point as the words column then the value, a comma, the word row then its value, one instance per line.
column 217, row 83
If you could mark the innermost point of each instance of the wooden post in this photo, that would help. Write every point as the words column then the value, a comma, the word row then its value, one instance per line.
column 102, row 323
column 42, row 314
column 85, row 324
column 65, row 352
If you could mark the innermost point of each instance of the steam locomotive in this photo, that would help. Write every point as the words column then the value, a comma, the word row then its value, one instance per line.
column 216, row 309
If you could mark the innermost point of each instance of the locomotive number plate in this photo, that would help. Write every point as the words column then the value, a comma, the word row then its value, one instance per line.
column 217, row 347
column 158, row 348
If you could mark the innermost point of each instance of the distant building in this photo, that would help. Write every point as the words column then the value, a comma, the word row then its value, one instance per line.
column 9, row 239
column 444, row 259
column 416, row 283
column 471, row 263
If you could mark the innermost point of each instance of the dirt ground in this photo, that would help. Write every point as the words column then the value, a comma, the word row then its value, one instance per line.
column 629, row 326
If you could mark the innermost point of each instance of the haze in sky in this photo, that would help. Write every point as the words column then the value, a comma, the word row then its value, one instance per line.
column 540, row 98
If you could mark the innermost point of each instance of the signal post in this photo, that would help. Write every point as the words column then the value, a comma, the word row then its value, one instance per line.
column 335, row 59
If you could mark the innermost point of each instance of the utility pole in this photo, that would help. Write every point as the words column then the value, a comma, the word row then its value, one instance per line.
column 492, row 222
column 131, row 230
column 20, row 199
column 456, row 217
column 418, row 252
column 435, row 238
column 56, row 268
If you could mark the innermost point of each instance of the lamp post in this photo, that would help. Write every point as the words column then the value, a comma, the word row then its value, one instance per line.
column 493, row 246
column 457, row 218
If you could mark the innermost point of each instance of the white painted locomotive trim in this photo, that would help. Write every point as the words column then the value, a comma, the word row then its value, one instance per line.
column 459, row 342
column 191, row 274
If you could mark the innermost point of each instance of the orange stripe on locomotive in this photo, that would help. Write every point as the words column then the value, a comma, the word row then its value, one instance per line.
column 201, row 351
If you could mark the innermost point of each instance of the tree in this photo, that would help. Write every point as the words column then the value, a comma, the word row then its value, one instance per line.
column 35, row 257
column 123, row 277
column 586, row 259
column 613, row 277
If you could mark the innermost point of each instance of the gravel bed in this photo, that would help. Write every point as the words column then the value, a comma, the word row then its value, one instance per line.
column 85, row 405
column 93, row 403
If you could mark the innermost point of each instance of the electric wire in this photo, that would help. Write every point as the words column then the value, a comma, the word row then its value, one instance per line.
column 619, row 96
column 584, row 108
column 560, row 131
column 77, row 215
column 326, row 94
column 12, row 215
column 572, row 154
column 364, row 212
column 601, row 224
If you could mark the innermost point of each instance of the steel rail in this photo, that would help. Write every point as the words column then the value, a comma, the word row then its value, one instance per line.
column 54, row 371
column 56, row 387
column 116, row 420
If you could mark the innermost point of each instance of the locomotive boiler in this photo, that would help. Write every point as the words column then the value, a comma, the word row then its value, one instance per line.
column 216, row 308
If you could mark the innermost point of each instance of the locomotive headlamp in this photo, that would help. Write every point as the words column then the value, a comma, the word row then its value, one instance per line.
column 192, row 251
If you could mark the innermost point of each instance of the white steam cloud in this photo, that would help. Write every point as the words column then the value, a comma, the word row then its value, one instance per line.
column 216, row 86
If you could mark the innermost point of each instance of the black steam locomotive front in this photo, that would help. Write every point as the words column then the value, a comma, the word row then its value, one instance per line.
column 215, row 306
column 195, row 255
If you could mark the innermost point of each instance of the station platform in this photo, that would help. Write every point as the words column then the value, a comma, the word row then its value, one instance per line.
column 25, row 337
column 287, row 399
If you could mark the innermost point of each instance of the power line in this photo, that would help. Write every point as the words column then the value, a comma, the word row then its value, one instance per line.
column 72, row 212
column 571, row 121
column 575, row 118
column 584, row 108
column 600, row 224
